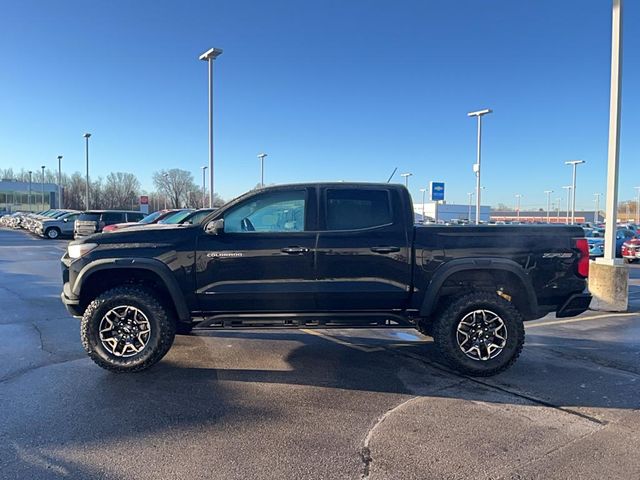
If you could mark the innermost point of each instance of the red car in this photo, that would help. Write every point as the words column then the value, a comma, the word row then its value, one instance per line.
column 152, row 218
column 631, row 250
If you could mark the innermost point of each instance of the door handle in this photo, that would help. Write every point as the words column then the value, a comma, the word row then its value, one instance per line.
column 385, row 249
column 294, row 250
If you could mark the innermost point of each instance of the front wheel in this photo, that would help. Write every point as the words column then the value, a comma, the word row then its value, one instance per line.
column 126, row 329
column 52, row 233
column 479, row 334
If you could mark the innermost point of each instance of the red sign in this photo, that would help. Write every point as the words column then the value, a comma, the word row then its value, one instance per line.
column 144, row 200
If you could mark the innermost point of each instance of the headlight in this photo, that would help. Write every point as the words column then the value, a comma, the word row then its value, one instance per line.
column 79, row 249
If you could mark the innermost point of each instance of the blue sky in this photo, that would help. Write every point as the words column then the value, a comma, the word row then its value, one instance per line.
column 331, row 90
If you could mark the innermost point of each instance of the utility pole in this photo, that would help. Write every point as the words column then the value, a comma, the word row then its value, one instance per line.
column 548, row 192
column 86, row 197
column 209, row 56
column 476, row 167
column 204, row 187
column 470, row 202
column 424, row 193
column 30, row 172
column 518, row 197
column 596, row 214
column 262, row 156
column 574, row 164
column 406, row 179
column 59, row 181
column 568, row 188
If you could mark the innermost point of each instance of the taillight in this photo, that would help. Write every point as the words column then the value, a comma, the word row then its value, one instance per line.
column 583, row 261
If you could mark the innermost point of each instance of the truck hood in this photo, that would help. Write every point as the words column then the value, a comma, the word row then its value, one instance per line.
column 142, row 234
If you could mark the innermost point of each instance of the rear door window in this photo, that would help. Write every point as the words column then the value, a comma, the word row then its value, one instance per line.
column 357, row 209
column 110, row 218
column 89, row 217
column 134, row 217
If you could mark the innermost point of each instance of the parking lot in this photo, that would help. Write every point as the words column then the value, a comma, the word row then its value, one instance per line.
column 308, row 403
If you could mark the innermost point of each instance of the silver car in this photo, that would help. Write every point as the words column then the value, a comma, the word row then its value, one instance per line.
column 57, row 227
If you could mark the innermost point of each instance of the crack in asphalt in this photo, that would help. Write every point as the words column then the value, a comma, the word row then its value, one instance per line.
column 21, row 372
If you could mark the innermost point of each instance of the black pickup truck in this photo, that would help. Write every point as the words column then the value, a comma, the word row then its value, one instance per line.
column 323, row 255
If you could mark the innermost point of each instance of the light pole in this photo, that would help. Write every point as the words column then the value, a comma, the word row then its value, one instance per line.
column 262, row 156
column 204, row 188
column 476, row 167
column 558, row 201
column 637, row 205
column 406, row 178
column 470, row 202
column 518, row 197
column 596, row 214
column 30, row 173
column 43, row 207
column 209, row 56
column 166, row 186
column 59, row 181
column 86, row 154
column 548, row 192
column 574, row 164
column 568, row 188
column 424, row 194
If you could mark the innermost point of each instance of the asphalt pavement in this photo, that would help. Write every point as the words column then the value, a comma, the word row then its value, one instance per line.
column 316, row 404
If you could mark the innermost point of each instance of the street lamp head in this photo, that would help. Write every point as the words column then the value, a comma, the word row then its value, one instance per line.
column 59, row 157
column 261, row 156
column 42, row 167
column 204, row 167
column 408, row 174
column 86, row 135
column 423, row 190
column 479, row 113
column 212, row 53
column 568, row 187
column 574, row 162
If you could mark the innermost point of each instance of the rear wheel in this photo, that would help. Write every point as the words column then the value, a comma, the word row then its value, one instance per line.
column 126, row 329
column 479, row 334
column 52, row 233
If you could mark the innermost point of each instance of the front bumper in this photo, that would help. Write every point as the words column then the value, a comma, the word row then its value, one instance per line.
column 575, row 305
column 70, row 301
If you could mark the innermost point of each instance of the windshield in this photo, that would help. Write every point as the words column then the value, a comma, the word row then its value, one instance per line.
column 197, row 216
column 177, row 217
column 151, row 217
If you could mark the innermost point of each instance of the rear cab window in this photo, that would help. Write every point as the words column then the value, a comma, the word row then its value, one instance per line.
column 357, row 208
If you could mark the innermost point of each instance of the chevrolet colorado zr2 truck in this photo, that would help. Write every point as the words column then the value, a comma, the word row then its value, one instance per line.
column 323, row 255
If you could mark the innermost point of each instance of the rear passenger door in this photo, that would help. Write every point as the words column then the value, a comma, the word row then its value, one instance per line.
column 363, row 252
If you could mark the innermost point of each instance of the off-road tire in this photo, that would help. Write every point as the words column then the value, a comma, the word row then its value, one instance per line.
column 160, row 339
column 52, row 231
column 446, row 324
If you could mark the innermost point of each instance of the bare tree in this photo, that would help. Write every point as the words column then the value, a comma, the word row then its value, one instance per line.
column 176, row 184
column 120, row 190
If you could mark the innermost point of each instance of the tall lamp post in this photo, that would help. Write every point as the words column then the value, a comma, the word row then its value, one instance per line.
column 568, row 188
column 30, row 173
column 470, row 202
column 574, row 164
column 558, row 201
column 596, row 214
column 548, row 192
column 59, row 181
column 518, row 197
column 86, row 156
column 166, row 180
column 204, row 186
column 209, row 56
column 476, row 167
column 406, row 178
column 262, row 156
column 424, row 194
column 43, row 207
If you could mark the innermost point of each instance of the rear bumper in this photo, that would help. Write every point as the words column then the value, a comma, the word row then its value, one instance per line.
column 575, row 305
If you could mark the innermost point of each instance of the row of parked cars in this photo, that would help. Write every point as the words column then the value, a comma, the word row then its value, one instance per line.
column 627, row 241
column 56, row 223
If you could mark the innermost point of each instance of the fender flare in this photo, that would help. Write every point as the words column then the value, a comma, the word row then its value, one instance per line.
column 432, row 294
column 148, row 264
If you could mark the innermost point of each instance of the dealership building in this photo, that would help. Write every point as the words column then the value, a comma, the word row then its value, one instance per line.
column 448, row 212
column 18, row 196
column 537, row 216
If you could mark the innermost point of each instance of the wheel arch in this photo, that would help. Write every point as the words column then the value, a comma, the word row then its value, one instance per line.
column 477, row 271
column 100, row 275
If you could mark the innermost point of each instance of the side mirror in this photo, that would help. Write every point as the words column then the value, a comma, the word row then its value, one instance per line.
column 215, row 227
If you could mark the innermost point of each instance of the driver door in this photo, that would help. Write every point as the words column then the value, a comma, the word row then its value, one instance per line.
column 264, row 259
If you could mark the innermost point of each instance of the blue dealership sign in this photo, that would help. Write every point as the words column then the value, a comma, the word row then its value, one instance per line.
column 437, row 191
